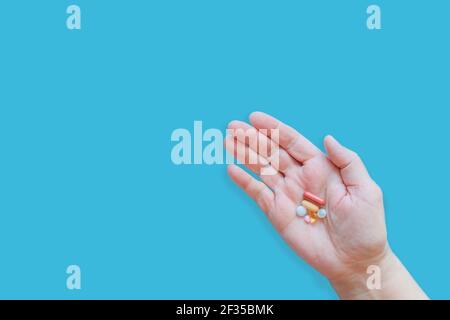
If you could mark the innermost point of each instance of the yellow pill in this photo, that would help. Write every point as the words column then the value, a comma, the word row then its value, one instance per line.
column 310, row 206
column 312, row 214
column 312, row 220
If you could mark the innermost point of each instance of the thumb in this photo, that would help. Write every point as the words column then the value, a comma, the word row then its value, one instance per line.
column 353, row 170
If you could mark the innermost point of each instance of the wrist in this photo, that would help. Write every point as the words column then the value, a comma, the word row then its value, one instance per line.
column 357, row 282
column 383, row 277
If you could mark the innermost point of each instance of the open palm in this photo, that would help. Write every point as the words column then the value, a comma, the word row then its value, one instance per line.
column 352, row 234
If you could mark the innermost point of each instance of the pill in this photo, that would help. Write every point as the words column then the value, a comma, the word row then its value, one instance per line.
column 301, row 211
column 314, row 198
column 312, row 214
column 310, row 206
column 322, row 213
column 307, row 219
column 313, row 220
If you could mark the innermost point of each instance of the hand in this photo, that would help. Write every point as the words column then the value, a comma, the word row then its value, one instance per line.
column 352, row 236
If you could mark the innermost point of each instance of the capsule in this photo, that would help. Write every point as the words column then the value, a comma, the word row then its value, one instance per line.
column 310, row 206
column 322, row 213
column 301, row 211
column 314, row 198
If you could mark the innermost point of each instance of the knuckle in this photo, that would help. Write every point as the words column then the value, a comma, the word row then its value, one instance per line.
column 354, row 155
column 378, row 192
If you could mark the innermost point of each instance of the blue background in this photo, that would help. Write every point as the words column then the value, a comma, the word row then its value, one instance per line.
column 86, row 117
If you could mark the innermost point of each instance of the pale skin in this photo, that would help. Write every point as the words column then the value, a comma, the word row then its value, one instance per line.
column 353, row 235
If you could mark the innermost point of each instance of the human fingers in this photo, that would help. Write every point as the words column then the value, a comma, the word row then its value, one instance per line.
column 259, row 142
column 289, row 139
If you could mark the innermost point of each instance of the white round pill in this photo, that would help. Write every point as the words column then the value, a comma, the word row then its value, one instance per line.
column 301, row 211
column 322, row 213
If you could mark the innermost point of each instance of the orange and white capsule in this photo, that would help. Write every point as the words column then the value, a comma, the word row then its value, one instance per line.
column 319, row 201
